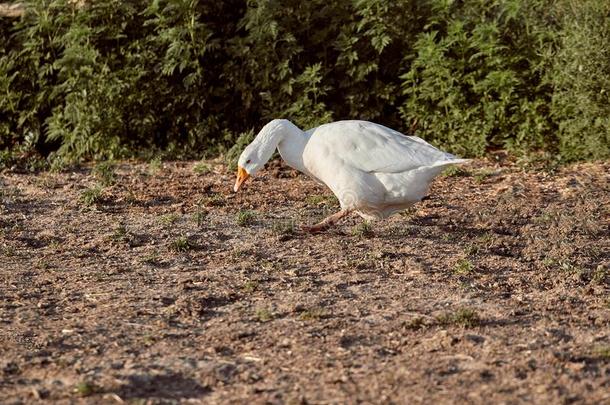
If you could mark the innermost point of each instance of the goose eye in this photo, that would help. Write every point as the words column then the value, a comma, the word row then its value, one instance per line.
column 248, row 161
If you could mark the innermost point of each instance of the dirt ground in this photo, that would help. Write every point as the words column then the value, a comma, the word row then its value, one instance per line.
column 162, row 286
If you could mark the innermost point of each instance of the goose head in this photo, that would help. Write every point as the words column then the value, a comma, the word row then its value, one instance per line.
column 258, row 153
column 251, row 160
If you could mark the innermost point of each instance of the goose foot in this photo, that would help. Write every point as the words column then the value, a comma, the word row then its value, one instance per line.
column 326, row 223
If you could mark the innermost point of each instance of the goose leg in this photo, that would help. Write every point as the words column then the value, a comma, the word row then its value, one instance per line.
column 326, row 222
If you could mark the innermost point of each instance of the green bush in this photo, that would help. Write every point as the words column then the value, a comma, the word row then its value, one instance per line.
column 474, row 82
column 110, row 78
column 580, row 76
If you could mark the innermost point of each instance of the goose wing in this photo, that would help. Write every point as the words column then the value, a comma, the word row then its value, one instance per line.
column 372, row 147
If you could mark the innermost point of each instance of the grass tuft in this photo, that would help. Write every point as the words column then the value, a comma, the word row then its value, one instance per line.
column 120, row 234
column 482, row 175
column 245, row 217
column 201, row 168
column 600, row 274
column 263, row 315
column 416, row 323
column 313, row 314
column 91, row 195
column 250, row 286
column 84, row 389
column 463, row 267
column 154, row 166
column 151, row 258
column 465, row 317
column 363, row 229
column 213, row 200
column 181, row 244
column 169, row 219
column 603, row 352
column 317, row 199
column 200, row 216
column 105, row 172
column 455, row 171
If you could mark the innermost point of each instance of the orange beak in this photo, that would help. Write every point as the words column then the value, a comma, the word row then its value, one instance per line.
column 242, row 175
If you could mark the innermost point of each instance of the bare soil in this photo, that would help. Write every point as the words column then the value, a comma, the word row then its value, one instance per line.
column 165, row 287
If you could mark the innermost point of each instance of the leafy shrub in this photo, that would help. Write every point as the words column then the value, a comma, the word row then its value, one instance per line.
column 473, row 82
column 108, row 79
column 580, row 75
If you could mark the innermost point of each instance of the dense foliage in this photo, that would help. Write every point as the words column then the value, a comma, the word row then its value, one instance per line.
column 110, row 78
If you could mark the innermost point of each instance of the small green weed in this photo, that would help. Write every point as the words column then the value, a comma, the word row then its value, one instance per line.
column 416, row 323
column 545, row 217
column 155, row 166
column 8, row 251
column 463, row 267
column 602, row 352
column 455, row 171
column 46, row 182
column 314, row 199
column 105, row 173
column 44, row 264
column 569, row 268
column 485, row 240
column 242, row 252
column 269, row 266
column 544, row 161
column 85, row 389
column 149, row 339
column 600, row 274
column 263, row 315
column 447, row 237
column 548, row 262
column 471, row 249
column 321, row 200
column 181, row 244
column 169, row 219
column 120, row 234
column 482, row 175
column 245, row 217
column 151, row 258
column 312, row 314
column 91, row 195
column 201, row 168
column 213, row 200
column 363, row 229
column 465, row 317
column 250, row 286
column 199, row 216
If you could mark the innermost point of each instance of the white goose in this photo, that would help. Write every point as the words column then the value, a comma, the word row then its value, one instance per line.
column 373, row 170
